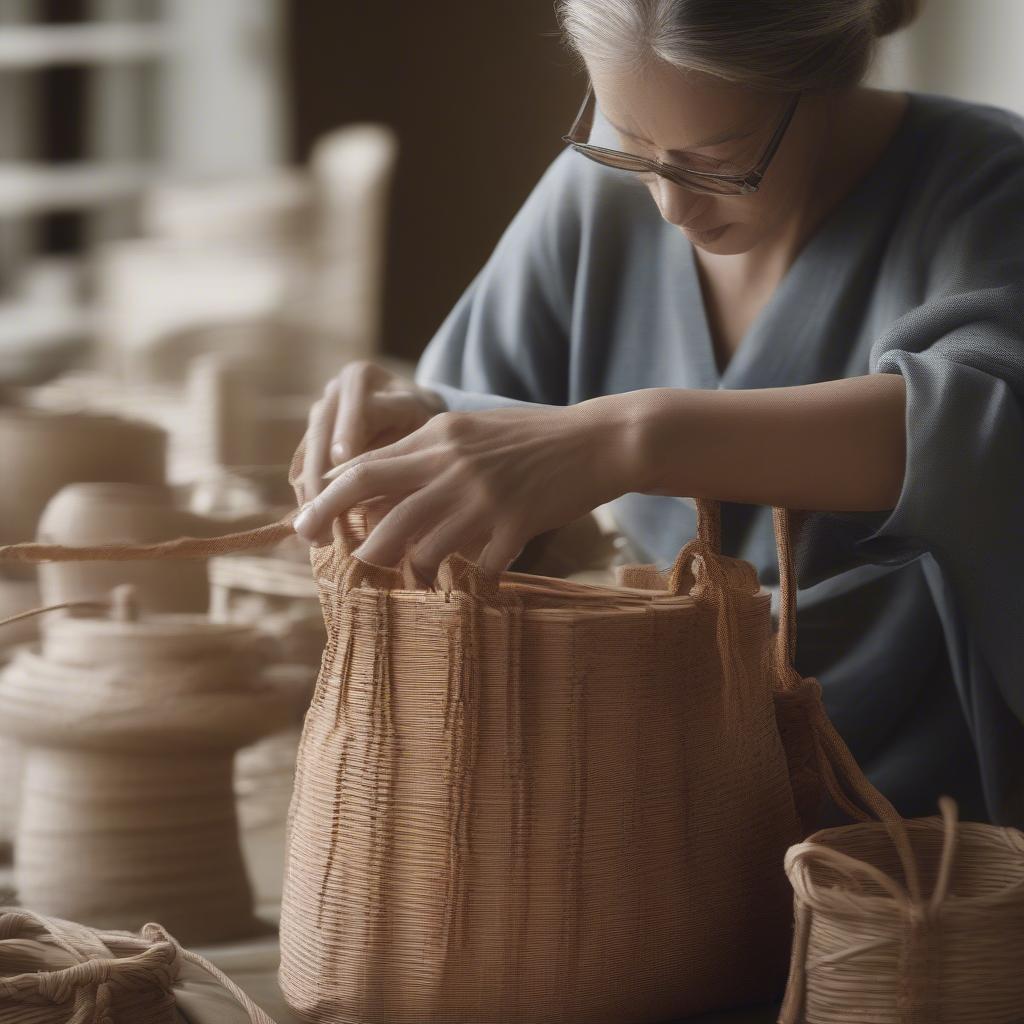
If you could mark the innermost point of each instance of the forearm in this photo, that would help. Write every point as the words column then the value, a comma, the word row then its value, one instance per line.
column 832, row 446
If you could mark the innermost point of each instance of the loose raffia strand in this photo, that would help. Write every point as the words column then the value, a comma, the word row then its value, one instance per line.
column 181, row 547
column 62, row 606
column 835, row 760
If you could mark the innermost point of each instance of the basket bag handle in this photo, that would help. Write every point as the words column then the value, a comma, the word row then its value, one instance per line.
column 800, row 713
column 846, row 783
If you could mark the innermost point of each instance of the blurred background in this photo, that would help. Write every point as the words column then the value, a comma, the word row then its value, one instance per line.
column 206, row 208
column 129, row 119
column 175, row 119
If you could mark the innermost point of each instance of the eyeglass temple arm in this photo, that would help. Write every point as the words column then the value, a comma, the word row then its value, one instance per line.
column 773, row 142
column 585, row 108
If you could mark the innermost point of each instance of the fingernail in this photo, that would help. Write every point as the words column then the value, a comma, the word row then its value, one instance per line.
column 338, row 451
column 301, row 521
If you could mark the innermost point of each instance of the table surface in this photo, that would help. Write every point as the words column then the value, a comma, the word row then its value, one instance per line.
column 253, row 963
column 767, row 1015
column 253, row 966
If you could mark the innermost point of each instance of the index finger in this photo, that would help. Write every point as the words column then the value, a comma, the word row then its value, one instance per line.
column 351, row 429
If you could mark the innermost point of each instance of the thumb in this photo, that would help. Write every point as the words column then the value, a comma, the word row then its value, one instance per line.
column 387, row 416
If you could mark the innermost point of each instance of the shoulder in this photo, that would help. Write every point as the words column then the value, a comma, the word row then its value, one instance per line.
column 965, row 151
column 580, row 214
column 961, row 211
column 574, row 192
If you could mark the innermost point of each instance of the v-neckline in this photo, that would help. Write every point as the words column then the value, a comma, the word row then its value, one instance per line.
column 752, row 352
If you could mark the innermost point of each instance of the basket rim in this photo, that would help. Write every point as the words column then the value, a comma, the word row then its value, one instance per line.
column 594, row 598
column 799, row 856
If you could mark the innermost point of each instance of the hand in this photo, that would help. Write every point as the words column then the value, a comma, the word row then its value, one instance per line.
column 364, row 407
column 482, row 482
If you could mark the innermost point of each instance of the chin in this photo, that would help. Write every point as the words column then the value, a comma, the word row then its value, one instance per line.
column 727, row 242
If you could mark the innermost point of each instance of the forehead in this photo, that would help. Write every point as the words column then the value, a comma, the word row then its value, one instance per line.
column 678, row 109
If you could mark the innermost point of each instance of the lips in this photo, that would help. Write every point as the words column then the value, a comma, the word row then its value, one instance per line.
column 707, row 234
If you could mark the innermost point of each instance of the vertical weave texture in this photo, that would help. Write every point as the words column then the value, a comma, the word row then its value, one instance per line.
column 528, row 800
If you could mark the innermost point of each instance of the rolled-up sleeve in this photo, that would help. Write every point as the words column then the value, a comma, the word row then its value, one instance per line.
column 961, row 354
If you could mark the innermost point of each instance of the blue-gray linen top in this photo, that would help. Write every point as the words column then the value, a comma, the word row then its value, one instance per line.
column 912, row 618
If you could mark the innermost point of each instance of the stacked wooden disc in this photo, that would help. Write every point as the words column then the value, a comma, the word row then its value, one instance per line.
column 41, row 451
column 130, row 724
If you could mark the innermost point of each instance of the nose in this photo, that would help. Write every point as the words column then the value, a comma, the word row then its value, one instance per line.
column 676, row 204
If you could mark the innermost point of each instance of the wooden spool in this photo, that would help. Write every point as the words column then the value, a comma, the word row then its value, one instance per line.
column 43, row 451
column 130, row 724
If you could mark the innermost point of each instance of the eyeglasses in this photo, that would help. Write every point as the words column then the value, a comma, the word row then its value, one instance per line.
column 688, row 178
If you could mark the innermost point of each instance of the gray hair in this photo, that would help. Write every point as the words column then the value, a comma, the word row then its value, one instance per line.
column 775, row 45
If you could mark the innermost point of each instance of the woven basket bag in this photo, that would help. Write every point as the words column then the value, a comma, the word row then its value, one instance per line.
column 525, row 800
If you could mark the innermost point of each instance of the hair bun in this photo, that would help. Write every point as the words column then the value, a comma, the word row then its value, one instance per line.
column 892, row 15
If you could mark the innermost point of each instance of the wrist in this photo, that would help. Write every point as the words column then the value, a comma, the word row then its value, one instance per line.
column 623, row 431
column 432, row 399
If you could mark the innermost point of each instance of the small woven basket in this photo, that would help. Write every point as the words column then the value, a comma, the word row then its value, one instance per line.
column 931, row 938
column 54, row 971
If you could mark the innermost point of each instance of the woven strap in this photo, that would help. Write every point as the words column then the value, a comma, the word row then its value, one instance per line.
column 708, row 545
column 837, row 767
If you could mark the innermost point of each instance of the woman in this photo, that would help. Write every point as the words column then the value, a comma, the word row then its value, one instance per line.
column 844, row 337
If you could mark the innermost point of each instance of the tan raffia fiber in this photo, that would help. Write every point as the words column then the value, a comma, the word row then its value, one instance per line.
column 580, row 816
column 129, row 730
column 58, row 972
column 870, row 948
column 92, row 513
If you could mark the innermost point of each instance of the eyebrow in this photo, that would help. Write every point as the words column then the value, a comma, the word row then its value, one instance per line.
column 714, row 140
